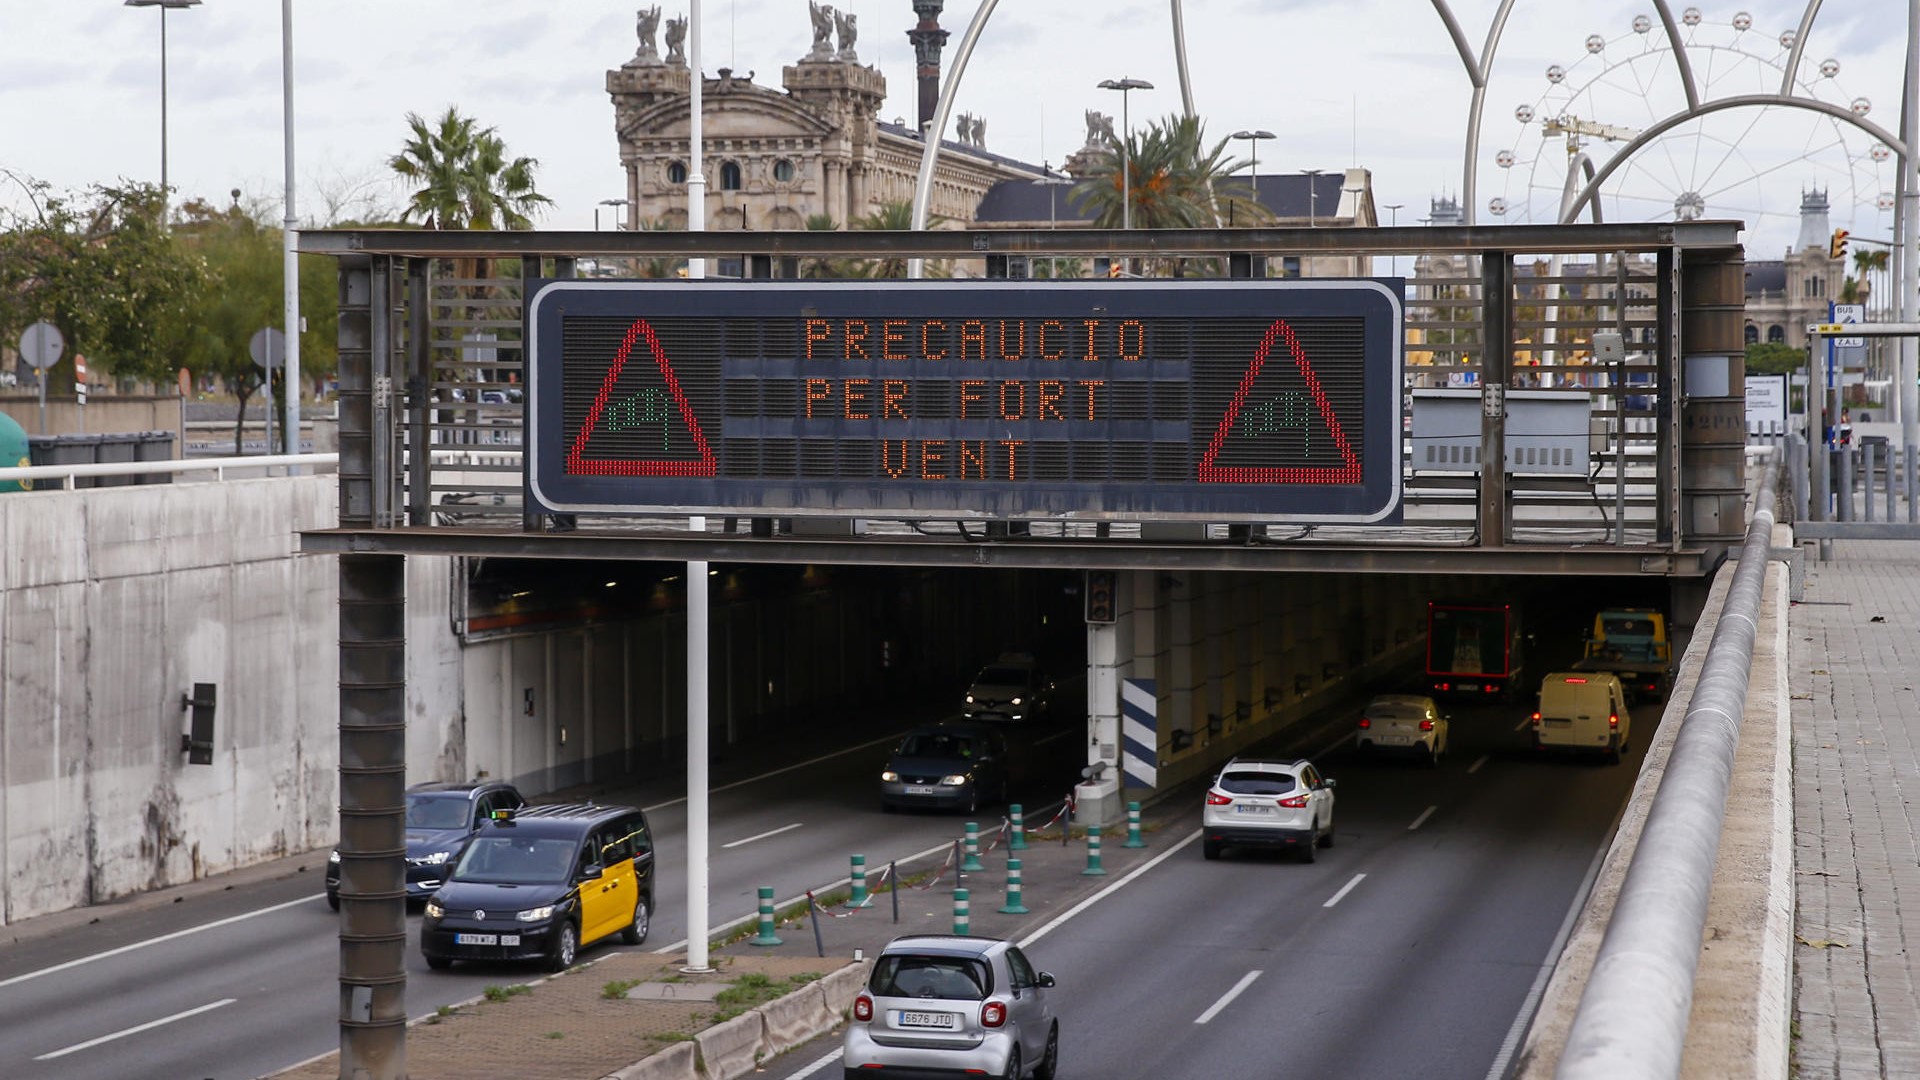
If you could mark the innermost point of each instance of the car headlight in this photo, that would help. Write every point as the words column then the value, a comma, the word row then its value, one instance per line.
column 434, row 910
column 889, row 776
column 536, row 914
column 436, row 858
column 955, row 780
column 333, row 856
column 969, row 699
column 1015, row 701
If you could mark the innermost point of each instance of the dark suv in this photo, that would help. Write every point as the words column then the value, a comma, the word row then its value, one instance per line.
column 440, row 818
column 542, row 883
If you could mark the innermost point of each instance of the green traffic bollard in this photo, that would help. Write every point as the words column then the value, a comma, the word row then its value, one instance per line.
column 962, row 912
column 766, row 935
column 972, row 861
column 1013, row 905
column 858, row 877
column 1094, row 869
column 1133, row 826
column 1018, row 841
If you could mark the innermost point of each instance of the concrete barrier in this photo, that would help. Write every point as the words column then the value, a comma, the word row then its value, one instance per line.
column 797, row 1017
column 733, row 1047
column 676, row 1062
column 842, row 986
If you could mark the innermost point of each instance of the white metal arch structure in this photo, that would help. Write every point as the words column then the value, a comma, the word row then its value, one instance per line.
column 930, row 153
column 1477, row 71
column 1741, row 101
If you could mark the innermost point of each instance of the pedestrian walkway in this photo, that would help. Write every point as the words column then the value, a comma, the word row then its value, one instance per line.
column 1856, row 757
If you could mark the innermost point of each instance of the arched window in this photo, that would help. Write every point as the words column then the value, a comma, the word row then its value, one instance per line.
column 677, row 173
column 783, row 170
column 1753, row 334
column 730, row 176
column 1815, row 287
column 1777, row 334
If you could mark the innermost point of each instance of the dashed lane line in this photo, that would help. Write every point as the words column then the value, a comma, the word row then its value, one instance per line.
column 743, row 841
column 1475, row 767
column 1226, row 999
column 1344, row 890
column 1422, row 819
column 134, row 1030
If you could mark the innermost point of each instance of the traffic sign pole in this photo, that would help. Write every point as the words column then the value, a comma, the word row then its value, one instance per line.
column 40, row 347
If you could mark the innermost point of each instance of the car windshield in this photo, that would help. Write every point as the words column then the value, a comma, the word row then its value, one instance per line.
column 936, row 745
column 1256, row 783
column 1003, row 676
column 521, row 860
column 952, row 978
column 437, row 811
column 1628, row 628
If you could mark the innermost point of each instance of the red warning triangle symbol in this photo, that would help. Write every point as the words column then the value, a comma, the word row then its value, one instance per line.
column 1348, row 472
column 578, row 464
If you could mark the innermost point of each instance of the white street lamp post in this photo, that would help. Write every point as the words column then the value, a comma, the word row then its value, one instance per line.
column 607, row 202
column 1054, row 183
column 163, row 5
column 1126, row 129
column 1253, row 154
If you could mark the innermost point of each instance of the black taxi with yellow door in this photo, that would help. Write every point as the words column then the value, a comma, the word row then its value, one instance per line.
column 542, row 882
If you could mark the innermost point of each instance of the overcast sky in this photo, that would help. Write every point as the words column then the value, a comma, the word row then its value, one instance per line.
column 1338, row 82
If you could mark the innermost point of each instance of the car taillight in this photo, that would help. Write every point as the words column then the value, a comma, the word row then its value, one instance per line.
column 1214, row 798
column 863, row 1008
column 993, row 1014
column 1574, row 682
column 1613, row 719
column 1426, row 725
column 1298, row 802
column 1446, row 686
column 1365, row 723
column 1536, row 718
column 1490, row 688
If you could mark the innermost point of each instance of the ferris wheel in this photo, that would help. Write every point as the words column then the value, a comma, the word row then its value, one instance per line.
column 1682, row 156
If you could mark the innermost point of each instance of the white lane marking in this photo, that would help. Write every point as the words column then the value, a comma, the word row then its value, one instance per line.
column 825, row 1060
column 134, row 1030
column 1226, row 999
column 723, row 928
column 1335, row 744
column 1344, row 890
column 162, row 938
column 1523, row 723
column 1524, row 1020
column 777, row 772
column 1061, row 919
column 1475, row 767
column 762, row 836
column 1422, row 819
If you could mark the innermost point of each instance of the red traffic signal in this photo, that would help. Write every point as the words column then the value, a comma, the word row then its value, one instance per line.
column 1100, row 600
column 1837, row 247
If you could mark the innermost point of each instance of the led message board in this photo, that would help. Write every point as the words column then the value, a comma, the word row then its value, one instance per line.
column 1218, row 401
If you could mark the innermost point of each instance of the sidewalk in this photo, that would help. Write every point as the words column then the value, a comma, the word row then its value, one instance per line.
column 579, row 1026
column 1855, row 642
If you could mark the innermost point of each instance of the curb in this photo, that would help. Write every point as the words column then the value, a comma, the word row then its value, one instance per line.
column 737, row 1047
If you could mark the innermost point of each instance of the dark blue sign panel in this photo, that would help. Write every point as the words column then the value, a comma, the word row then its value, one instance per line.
column 1218, row 401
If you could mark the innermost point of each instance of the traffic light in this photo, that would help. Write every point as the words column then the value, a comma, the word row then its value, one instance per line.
column 1837, row 247
column 1100, row 608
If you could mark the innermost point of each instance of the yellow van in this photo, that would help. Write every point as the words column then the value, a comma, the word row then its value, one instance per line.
column 1582, row 710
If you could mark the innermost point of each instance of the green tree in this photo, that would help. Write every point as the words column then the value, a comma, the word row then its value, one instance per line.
column 1174, row 180
column 895, row 217
column 242, row 296
column 661, row 267
column 464, row 178
column 1774, row 358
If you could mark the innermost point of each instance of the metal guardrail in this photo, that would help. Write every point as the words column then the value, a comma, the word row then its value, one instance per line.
column 1633, row 1016
column 219, row 467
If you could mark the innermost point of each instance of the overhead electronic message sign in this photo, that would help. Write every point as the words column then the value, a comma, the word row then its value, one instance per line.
column 1218, row 401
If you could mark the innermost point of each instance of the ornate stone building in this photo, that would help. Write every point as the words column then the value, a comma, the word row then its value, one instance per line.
column 1784, row 295
column 773, row 158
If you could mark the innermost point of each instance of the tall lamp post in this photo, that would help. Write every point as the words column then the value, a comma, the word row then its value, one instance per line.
column 607, row 202
column 1312, row 176
column 1054, row 184
column 1393, row 219
column 1253, row 155
column 163, row 5
column 1126, row 128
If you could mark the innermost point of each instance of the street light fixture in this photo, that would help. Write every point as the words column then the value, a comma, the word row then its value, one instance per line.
column 1393, row 220
column 1312, row 195
column 163, row 5
column 1253, row 151
column 1054, row 183
column 1126, row 127
column 607, row 202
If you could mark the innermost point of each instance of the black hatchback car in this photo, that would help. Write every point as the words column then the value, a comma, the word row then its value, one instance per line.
column 440, row 818
column 953, row 766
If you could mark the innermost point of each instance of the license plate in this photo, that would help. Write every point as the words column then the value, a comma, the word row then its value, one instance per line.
column 1255, row 809
column 922, row 789
column 1393, row 740
column 1469, row 686
column 926, row 1020
column 476, row 939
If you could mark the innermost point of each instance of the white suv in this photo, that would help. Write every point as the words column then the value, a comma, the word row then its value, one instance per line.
column 1284, row 804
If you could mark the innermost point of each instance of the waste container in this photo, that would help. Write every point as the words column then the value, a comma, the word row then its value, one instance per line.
column 117, row 447
column 14, row 450
column 65, row 450
column 156, row 446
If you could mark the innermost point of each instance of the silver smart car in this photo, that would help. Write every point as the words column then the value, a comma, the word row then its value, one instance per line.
column 939, row 1004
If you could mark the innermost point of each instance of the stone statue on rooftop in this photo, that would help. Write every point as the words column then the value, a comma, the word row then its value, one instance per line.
column 677, row 41
column 1099, row 128
column 822, row 16
column 845, row 22
column 980, row 132
column 963, row 127
column 645, row 23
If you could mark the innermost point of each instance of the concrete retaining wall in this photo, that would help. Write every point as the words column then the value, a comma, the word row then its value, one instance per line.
column 113, row 603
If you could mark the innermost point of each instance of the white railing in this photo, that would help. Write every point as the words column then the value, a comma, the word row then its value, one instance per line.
column 253, row 467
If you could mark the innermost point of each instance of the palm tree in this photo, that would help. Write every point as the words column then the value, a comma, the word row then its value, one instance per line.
column 463, row 177
column 659, row 267
column 826, row 266
column 895, row 217
column 1174, row 181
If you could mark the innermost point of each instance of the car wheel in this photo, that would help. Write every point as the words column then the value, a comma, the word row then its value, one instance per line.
column 1433, row 757
column 1326, row 838
column 333, row 900
column 1209, row 849
column 1049, row 1058
column 561, row 958
column 1312, row 846
column 636, row 931
column 1013, row 1063
column 439, row 963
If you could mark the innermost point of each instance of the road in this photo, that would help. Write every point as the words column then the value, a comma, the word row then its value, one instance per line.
column 1414, row 947
column 188, row 989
